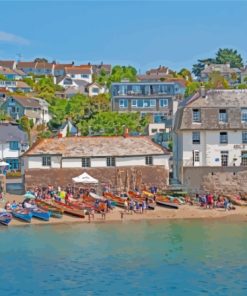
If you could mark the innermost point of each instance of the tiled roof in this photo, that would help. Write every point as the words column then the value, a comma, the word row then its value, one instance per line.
column 62, row 66
column 7, row 64
column 10, row 132
column 79, row 69
column 23, row 65
column 26, row 101
column 43, row 65
column 22, row 84
column 97, row 147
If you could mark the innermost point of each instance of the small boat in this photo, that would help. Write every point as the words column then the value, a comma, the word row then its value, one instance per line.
column 22, row 214
column 5, row 218
column 167, row 204
column 41, row 214
column 139, row 198
column 55, row 212
column 69, row 209
column 96, row 196
column 118, row 201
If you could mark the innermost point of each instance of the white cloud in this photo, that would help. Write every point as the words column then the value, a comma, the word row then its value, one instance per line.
column 11, row 38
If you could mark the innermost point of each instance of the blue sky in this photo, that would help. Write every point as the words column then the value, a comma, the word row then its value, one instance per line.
column 140, row 33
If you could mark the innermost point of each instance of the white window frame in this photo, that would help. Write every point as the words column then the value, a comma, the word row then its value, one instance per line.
column 134, row 103
column 46, row 161
column 196, row 115
column 149, row 160
column 110, row 161
column 121, row 104
column 163, row 103
column 222, row 137
column 244, row 115
column 86, row 162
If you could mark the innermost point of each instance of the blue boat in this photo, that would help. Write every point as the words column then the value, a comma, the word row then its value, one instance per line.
column 22, row 214
column 41, row 214
column 5, row 218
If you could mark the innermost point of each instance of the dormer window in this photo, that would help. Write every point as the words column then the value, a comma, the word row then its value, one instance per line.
column 196, row 115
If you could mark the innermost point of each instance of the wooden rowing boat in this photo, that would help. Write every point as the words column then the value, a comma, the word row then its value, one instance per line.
column 23, row 214
column 69, row 209
column 119, row 202
column 5, row 218
column 165, row 204
column 55, row 212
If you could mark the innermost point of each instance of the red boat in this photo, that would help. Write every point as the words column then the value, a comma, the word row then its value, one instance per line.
column 67, row 208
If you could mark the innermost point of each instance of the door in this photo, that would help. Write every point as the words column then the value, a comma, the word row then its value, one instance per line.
column 224, row 158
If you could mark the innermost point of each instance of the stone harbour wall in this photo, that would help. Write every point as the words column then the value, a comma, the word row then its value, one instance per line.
column 228, row 180
column 120, row 178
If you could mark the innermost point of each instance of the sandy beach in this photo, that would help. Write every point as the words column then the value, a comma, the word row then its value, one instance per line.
column 160, row 213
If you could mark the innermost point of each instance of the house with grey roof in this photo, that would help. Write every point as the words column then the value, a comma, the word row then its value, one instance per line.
column 57, row 160
column 13, row 143
column 36, row 109
column 210, row 136
column 232, row 75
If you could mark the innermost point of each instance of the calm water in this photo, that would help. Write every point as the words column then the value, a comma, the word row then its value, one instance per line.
column 144, row 258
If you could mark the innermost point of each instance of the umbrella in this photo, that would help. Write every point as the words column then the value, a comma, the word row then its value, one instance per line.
column 85, row 179
column 29, row 195
column 3, row 163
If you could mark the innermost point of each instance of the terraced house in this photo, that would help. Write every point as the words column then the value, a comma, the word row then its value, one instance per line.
column 210, row 136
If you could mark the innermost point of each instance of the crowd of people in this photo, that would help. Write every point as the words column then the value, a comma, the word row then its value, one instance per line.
column 211, row 201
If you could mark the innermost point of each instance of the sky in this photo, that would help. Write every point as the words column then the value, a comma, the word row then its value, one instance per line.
column 140, row 33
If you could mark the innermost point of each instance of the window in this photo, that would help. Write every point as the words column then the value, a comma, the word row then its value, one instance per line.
column 13, row 164
column 244, row 158
column 244, row 137
column 149, row 160
column 223, row 115
column 223, row 138
column 244, row 114
column 163, row 102
column 196, row 156
column 84, row 76
column 224, row 158
column 13, row 145
column 110, row 161
column 72, row 76
column 195, row 137
column 196, row 115
column 152, row 103
column 123, row 103
column 134, row 103
column 86, row 162
column 46, row 161
column 95, row 90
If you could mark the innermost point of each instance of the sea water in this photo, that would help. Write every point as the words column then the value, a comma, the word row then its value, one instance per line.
column 129, row 258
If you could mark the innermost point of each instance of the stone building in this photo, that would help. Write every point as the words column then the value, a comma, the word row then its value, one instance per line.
column 210, row 138
column 119, row 161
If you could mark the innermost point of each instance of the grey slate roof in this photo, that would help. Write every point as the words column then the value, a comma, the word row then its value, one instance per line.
column 10, row 132
column 230, row 100
column 97, row 147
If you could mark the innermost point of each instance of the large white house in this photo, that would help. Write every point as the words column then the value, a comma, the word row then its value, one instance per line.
column 83, row 72
column 13, row 143
column 61, row 157
column 210, row 132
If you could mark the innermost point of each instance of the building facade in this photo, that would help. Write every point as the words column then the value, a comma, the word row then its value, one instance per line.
column 13, row 143
column 210, row 131
column 97, row 153
column 36, row 109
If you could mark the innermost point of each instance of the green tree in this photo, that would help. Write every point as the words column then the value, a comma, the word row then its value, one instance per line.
column 197, row 68
column 2, row 77
column 191, row 88
column 231, row 56
column 25, row 126
column 216, row 81
column 185, row 74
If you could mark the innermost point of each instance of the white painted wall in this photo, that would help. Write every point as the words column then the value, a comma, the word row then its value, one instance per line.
column 89, row 79
column 210, row 148
column 5, row 152
column 32, row 162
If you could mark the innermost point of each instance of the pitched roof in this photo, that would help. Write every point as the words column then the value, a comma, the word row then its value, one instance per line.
column 222, row 68
column 62, row 66
column 97, row 147
column 83, row 69
column 23, row 65
column 26, row 101
column 22, row 84
column 10, row 132
column 6, row 71
column 44, row 65
column 7, row 64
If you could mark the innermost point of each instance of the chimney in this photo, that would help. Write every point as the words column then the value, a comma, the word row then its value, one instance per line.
column 203, row 91
column 126, row 132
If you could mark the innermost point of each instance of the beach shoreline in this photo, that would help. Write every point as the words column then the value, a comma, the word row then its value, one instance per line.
column 185, row 212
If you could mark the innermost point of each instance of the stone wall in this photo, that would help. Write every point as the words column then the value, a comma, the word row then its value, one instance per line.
column 230, row 180
column 120, row 178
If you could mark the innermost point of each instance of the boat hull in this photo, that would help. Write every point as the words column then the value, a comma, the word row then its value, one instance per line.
column 23, row 215
column 41, row 214
column 167, row 204
column 5, row 218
